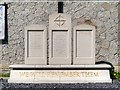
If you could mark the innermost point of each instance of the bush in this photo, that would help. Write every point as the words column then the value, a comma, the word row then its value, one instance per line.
column 116, row 75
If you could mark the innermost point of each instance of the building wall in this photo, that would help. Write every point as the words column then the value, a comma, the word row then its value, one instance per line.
column 103, row 15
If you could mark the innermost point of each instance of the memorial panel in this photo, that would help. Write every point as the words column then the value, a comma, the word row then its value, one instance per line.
column 60, row 39
column 84, row 44
column 35, row 44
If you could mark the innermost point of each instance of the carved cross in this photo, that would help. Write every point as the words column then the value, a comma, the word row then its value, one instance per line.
column 59, row 20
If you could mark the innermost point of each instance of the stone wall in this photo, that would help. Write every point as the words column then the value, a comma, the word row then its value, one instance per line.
column 103, row 15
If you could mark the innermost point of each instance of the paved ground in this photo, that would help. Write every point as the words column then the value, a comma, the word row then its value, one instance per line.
column 89, row 86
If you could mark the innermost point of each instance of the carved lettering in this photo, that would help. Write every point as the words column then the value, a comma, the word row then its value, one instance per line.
column 59, row 74
column 96, row 74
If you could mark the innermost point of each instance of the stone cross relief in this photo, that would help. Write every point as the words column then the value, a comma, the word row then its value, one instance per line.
column 59, row 20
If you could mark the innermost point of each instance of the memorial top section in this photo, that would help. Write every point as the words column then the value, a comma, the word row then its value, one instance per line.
column 60, row 20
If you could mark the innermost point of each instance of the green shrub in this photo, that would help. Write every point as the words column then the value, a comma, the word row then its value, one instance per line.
column 4, row 74
column 116, row 75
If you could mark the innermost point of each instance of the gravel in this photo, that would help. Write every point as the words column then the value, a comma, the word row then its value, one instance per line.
column 82, row 86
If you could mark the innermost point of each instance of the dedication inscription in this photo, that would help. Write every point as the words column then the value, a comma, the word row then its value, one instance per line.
column 84, row 42
column 35, row 48
column 60, row 43
column 60, row 74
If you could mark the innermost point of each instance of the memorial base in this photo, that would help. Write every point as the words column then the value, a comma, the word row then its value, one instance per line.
column 60, row 74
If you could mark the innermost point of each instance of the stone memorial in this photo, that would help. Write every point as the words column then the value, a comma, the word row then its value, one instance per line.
column 67, row 57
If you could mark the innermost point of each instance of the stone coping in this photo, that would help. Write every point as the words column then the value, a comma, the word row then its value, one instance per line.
column 60, row 66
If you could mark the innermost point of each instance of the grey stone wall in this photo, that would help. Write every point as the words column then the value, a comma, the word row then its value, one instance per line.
column 100, row 14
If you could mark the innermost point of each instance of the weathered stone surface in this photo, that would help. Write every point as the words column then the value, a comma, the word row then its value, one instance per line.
column 106, row 6
column 113, row 47
column 104, row 52
column 103, row 36
column 105, row 44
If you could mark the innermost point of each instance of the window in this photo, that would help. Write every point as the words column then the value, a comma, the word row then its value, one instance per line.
column 2, row 21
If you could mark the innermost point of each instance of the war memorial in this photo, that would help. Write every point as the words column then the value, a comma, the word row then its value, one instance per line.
column 60, row 42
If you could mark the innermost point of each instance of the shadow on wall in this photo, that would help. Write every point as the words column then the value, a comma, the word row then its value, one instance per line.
column 5, row 41
column 119, row 36
column 0, row 42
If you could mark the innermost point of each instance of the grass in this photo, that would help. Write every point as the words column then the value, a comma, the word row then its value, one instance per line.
column 4, row 74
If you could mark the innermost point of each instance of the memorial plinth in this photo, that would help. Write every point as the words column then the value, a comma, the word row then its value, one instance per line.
column 60, row 74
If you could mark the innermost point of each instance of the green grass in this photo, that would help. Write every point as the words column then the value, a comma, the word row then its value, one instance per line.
column 4, row 74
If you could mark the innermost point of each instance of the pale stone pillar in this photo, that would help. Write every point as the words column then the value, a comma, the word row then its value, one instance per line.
column 60, row 39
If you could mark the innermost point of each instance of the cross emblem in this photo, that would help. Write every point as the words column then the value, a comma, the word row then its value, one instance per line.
column 59, row 20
